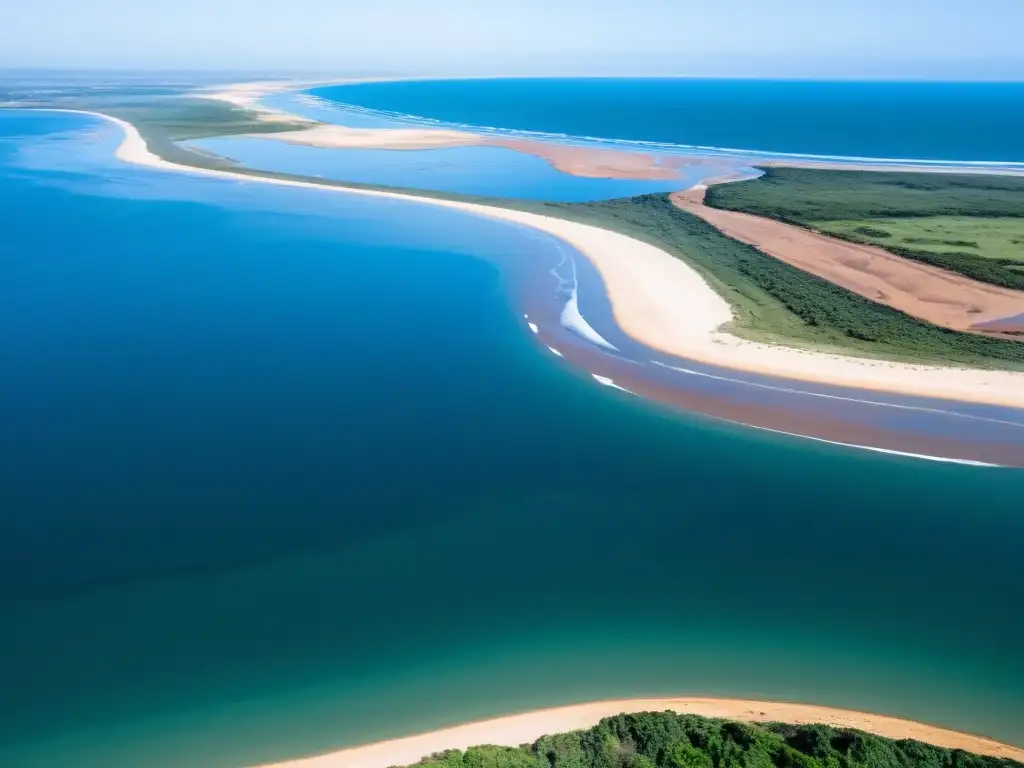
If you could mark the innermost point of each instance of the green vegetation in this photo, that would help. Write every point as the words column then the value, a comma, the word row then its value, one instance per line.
column 165, row 122
column 667, row 740
column 973, row 225
column 989, row 249
column 776, row 302
column 802, row 194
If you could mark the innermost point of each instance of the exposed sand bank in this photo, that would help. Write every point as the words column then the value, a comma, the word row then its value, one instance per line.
column 528, row 727
column 340, row 137
column 665, row 304
column 591, row 162
column 594, row 162
column 247, row 96
column 929, row 293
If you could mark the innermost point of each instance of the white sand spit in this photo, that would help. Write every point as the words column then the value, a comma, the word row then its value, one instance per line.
column 528, row 727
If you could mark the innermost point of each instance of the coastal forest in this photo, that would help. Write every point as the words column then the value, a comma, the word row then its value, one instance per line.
column 669, row 740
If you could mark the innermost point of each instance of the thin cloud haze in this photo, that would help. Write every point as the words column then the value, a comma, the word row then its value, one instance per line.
column 786, row 38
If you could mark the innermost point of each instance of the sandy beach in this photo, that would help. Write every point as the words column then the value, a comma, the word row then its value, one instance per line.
column 574, row 160
column 528, row 727
column 663, row 303
column 247, row 96
column 920, row 290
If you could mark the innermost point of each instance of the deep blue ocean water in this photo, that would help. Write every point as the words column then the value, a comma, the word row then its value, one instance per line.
column 929, row 121
column 281, row 470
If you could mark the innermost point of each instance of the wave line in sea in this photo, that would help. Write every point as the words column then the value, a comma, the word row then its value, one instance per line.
column 760, row 155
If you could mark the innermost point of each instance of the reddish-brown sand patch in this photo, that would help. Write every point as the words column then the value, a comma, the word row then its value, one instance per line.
column 928, row 293
column 594, row 162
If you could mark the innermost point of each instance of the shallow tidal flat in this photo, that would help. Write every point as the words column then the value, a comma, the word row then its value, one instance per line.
column 279, row 476
column 494, row 172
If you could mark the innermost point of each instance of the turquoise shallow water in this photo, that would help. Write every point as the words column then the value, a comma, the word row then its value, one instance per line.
column 928, row 121
column 282, row 471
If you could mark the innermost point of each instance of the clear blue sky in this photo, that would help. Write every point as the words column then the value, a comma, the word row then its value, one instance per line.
column 789, row 38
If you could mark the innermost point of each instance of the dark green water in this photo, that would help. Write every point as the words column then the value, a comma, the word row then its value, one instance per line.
column 281, row 472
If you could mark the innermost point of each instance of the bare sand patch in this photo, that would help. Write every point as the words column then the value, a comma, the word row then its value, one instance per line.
column 593, row 162
column 528, row 727
column 341, row 137
column 589, row 162
column 928, row 293
column 247, row 96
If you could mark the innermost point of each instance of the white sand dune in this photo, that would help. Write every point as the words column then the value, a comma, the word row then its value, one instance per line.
column 247, row 96
column 662, row 302
column 524, row 728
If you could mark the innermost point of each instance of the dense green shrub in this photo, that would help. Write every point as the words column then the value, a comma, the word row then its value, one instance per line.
column 800, row 195
column 668, row 740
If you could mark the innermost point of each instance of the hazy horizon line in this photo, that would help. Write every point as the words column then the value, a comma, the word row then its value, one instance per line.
column 286, row 72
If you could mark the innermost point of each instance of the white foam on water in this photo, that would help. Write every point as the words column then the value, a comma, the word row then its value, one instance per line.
column 555, row 352
column 890, row 451
column 573, row 320
column 533, row 327
column 1011, row 166
column 610, row 383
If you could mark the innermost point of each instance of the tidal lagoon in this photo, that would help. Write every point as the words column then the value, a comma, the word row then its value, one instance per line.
column 481, row 171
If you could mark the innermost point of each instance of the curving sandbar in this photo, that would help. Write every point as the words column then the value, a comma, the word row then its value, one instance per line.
column 588, row 162
column 514, row 730
column 665, row 304
column 575, row 160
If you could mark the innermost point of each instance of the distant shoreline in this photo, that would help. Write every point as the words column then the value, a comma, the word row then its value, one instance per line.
column 573, row 159
column 514, row 730
column 748, row 156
